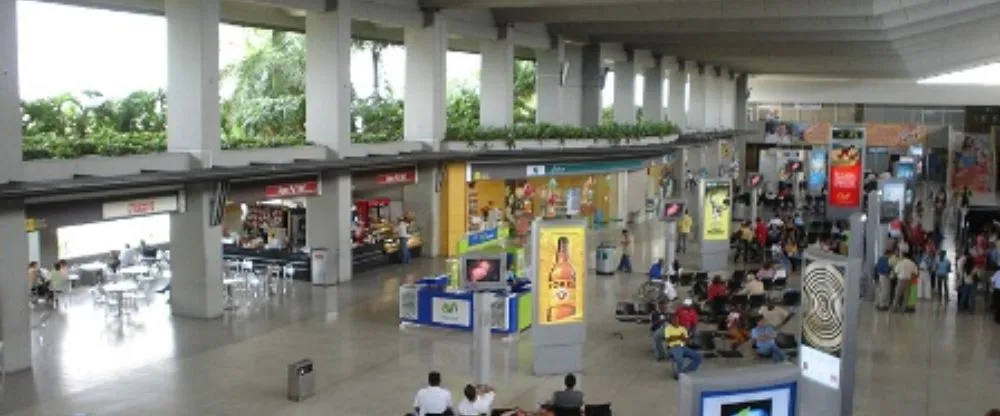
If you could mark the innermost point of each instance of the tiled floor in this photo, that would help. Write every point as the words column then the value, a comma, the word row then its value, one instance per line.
column 931, row 363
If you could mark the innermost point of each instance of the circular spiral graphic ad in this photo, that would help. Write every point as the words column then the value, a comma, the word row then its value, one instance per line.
column 823, row 287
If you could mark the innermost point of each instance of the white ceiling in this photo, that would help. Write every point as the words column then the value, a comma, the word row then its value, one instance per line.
column 841, row 38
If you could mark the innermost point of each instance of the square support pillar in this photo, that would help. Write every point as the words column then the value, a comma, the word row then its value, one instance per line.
column 328, row 224
column 727, row 93
column 10, row 101
column 426, row 78
column 712, row 103
column 624, row 105
column 550, row 87
column 496, row 83
column 196, row 254
column 591, row 85
column 328, row 77
column 423, row 199
column 15, row 318
column 572, row 110
column 696, row 107
column 742, row 97
column 676, row 111
column 193, row 78
column 652, row 96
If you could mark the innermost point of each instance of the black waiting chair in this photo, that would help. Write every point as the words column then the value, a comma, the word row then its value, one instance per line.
column 701, row 277
column 738, row 276
column 733, row 286
column 686, row 279
column 791, row 298
column 768, row 284
column 739, row 300
column 566, row 411
column 778, row 284
column 717, row 307
column 756, row 301
column 500, row 412
column 603, row 409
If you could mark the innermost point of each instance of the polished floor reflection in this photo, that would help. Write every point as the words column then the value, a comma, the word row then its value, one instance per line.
column 934, row 362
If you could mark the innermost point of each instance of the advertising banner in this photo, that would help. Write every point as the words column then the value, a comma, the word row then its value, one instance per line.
column 893, row 195
column 817, row 169
column 455, row 312
column 779, row 132
column 972, row 162
column 895, row 134
column 845, row 175
column 824, row 285
column 717, row 214
column 561, row 269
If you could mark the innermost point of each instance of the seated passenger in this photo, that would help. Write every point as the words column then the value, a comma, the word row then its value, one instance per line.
column 656, row 270
column 754, row 287
column 687, row 316
column 432, row 400
column 477, row 401
column 764, row 337
column 717, row 288
column 774, row 315
column 766, row 271
column 677, row 338
column 570, row 398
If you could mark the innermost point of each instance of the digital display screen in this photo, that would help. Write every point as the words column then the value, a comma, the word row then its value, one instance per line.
column 483, row 270
column 775, row 400
column 672, row 211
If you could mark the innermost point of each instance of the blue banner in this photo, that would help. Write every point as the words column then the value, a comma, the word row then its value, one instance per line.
column 486, row 236
column 817, row 169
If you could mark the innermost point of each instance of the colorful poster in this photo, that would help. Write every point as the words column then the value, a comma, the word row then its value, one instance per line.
column 905, row 168
column 779, row 132
column 561, row 269
column 845, row 176
column 972, row 162
column 895, row 134
column 817, row 169
column 717, row 214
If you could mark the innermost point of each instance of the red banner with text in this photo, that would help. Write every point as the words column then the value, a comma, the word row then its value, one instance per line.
column 845, row 176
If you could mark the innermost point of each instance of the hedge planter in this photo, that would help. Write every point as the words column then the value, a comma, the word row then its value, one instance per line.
column 555, row 144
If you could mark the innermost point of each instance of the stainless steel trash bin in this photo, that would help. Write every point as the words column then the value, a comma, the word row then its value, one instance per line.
column 606, row 259
column 301, row 380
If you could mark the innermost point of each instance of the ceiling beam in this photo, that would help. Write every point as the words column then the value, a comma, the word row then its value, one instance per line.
column 690, row 10
column 744, row 37
column 844, row 24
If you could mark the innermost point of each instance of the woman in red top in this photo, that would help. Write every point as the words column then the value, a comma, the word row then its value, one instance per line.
column 716, row 289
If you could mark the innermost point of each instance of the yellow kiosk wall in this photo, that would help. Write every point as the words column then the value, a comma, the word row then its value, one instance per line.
column 454, row 209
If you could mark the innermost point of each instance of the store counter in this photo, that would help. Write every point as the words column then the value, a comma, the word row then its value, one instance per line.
column 428, row 303
column 363, row 258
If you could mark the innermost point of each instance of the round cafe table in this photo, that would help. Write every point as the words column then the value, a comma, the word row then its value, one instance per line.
column 118, row 289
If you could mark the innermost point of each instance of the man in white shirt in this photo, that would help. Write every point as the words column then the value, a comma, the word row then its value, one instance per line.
column 432, row 400
column 403, row 233
column 905, row 270
column 477, row 401
column 128, row 256
column 625, row 265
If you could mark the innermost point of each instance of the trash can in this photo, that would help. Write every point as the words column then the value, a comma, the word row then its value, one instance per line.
column 317, row 263
column 606, row 259
column 301, row 380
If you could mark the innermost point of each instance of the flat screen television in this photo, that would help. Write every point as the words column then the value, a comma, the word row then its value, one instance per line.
column 484, row 271
column 774, row 400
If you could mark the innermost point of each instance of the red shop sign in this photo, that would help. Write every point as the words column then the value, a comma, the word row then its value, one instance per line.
column 291, row 190
column 401, row 177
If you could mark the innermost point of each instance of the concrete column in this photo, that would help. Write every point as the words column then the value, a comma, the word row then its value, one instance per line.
column 728, row 97
column 548, row 81
column 328, row 224
column 426, row 82
column 15, row 321
column 496, row 82
column 193, row 78
column 741, row 101
column 712, row 103
column 328, row 77
column 10, row 101
column 652, row 95
column 573, row 90
column 48, row 247
column 591, row 85
column 696, row 109
column 196, row 254
column 676, row 113
column 423, row 199
column 624, row 106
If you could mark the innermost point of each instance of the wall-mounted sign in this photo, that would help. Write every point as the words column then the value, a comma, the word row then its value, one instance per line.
column 497, row 171
column 755, row 180
column 400, row 177
column 793, row 166
column 845, row 175
column 292, row 190
column 817, row 169
column 144, row 206
column 33, row 224
column 672, row 210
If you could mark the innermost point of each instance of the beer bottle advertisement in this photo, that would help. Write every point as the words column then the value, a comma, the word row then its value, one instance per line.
column 562, row 270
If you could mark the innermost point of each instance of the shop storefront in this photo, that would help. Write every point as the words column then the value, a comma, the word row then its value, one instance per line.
column 379, row 206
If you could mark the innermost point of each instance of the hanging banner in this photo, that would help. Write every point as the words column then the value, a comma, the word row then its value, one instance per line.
column 717, row 214
column 846, row 167
column 561, row 273
column 817, row 169
column 895, row 134
column 972, row 162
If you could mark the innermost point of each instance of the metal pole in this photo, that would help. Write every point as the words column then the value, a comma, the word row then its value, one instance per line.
column 481, row 335
column 671, row 246
column 754, row 195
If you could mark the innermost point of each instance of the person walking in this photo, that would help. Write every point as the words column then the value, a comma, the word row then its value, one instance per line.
column 967, row 276
column 403, row 233
column 684, row 231
column 941, row 273
column 883, row 288
column 625, row 264
column 906, row 271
